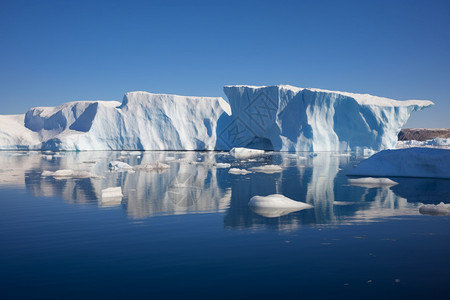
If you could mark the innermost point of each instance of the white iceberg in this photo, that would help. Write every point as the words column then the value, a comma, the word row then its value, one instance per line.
column 268, row 169
column 281, row 118
column 287, row 118
column 440, row 209
column 143, row 121
column 408, row 162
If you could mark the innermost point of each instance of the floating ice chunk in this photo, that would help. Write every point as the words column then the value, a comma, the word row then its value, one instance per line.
column 156, row 166
column 340, row 155
column 275, row 205
column 268, row 169
column 440, row 209
column 112, row 192
column 408, row 162
column 242, row 153
column 371, row 182
column 344, row 203
column 222, row 165
column 119, row 166
column 67, row 173
column 237, row 171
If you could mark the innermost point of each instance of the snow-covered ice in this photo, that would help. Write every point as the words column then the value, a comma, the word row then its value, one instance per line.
column 281, row 118
column 371, row 182
column 268, row 169
column 437, row 142
column 440, row 209
column 408, row 162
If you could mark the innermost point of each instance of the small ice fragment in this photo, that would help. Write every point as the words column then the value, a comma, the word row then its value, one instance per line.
column 240, row 153
column 156, row 166
column 119, row 166
column 112, row 192
column 222, row 165
column 371, row 182
column 268, row 169
column 440, row 209
column 237, row 171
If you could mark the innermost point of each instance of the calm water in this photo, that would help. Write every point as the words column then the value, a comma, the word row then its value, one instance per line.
column 187, row 232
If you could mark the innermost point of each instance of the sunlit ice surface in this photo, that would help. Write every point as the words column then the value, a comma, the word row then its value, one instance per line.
column 187, row 230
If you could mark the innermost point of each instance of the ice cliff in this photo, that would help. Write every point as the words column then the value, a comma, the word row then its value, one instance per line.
column 281, row 118
column 287, row 118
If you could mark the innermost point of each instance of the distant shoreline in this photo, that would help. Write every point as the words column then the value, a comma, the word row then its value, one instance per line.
column 423, row 134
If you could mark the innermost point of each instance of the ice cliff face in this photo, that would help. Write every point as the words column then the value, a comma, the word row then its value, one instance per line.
column 287, row 118
column 143, row 121
column 281, row 118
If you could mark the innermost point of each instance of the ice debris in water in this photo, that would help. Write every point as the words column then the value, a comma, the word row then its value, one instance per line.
column 275, row 205
column 67, row 173
column 222, row 165
column 242, row 153
column 237, row 171
column 112, row 192
column 268, row 169
column 156, row 166
column 440, row 209
column 119, row 166
column 371, row 182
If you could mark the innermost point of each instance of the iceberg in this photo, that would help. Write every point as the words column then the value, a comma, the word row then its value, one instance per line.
column 143, row 121
column 408, row 162
column 280, row 118
column 288, row 118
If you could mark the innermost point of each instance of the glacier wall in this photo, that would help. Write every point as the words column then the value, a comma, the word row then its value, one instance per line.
column 287, row 118
column 143, row 121
column 280, row 118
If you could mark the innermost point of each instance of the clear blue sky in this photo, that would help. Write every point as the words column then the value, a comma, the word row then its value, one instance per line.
column 52, row 52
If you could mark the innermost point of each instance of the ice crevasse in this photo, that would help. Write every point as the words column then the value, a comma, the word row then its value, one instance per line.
column 280, row 118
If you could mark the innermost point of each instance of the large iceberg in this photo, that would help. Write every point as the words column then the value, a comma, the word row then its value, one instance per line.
column 143, row 121
column 281, row 118
column 287, row 118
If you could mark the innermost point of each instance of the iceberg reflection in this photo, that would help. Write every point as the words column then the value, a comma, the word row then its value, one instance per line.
column 198, row 182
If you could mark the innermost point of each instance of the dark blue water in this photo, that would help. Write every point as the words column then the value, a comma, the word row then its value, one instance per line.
column 60, row 240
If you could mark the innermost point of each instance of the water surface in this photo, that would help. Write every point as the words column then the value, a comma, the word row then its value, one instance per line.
column 188, row 232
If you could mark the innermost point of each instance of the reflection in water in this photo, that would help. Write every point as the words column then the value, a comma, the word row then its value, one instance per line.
column 195, row 184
